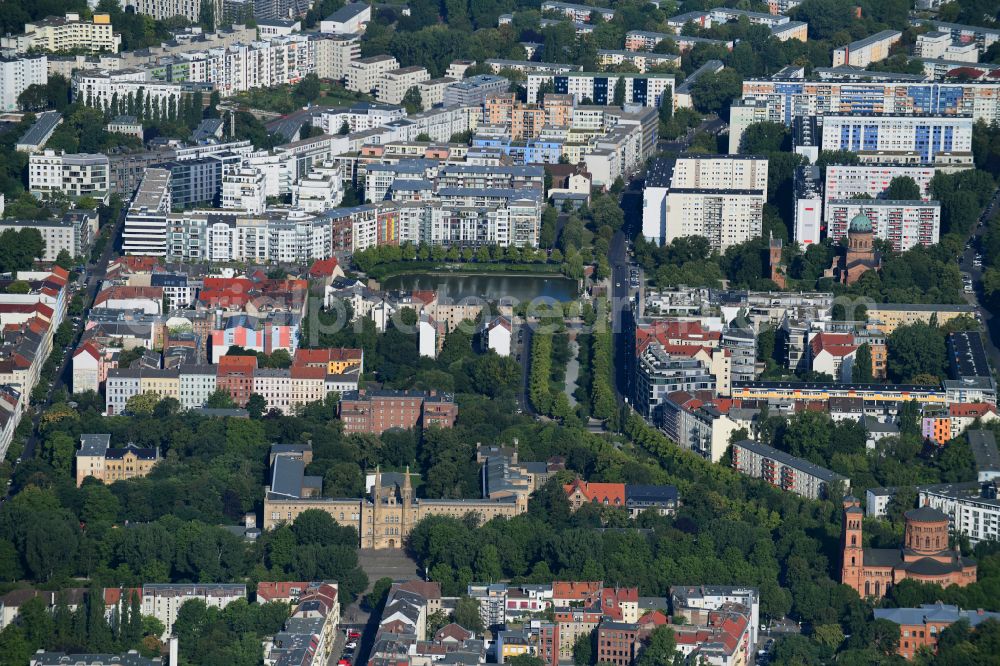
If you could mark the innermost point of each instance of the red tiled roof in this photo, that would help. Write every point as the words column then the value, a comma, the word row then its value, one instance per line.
column 612, row 494
column 237, row 364
column 971, row 410
column 324, row 356
column 271, row 590
column 123, row 292
column 579, row 590
column 835, row 344
column 323, row 267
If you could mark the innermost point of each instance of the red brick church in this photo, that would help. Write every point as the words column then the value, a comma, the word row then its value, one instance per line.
column 924, row 555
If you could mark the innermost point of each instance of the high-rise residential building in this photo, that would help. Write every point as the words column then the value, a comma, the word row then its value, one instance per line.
column 600, row 87
column 864, row 52
column 905, row 224
column 474, row 90
column 243, row 189
column 164, row 9
column 145, row 229
column 365, row 74
column 719, row 197
column 742, row 114
column 981, row 36
column 788, row 99
column 16, row 74
column 66, row 33
column 334, row 54
column 896, row 138
column 808, row 205
column 75, row 175
column 848, row 181
column 396, row 83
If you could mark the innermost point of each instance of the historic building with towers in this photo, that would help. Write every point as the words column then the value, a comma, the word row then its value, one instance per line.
column 390, row 509
column 860, row 256
column 924, row 555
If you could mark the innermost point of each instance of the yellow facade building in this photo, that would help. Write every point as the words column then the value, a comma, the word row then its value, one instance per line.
column 97, row 458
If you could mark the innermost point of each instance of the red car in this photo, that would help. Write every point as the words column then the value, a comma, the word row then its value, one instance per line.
column 353, row 635
column 343, row 662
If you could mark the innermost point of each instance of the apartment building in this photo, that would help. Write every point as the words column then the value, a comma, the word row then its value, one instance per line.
column 844, row 181
column 982, row 37
column 905, row 224
column 785, row 471
column 310, row 634
column 864, row 52
column 787, row 99
column 658, row 374
column 600, row 87
column 581, row 13
column 377, row 411
column 887, row 317
column 808, row 204
column 164, row 600
column 240, row 67
column 243, row 189
column 921, row 628
column 395, row 83
column 98, row 88
column 742, row 114
column 365, row 74
column 474, row 90
column 939, row 45
column 16, row 74
column 72, row 234
column 692, row 601
column 98, row 459
column 938, row 140
column 334, row 54
column 700, row 423
column 718, row 197
column 35, row 138
column 234, row 235
column 75, row 175
column 66, row 33
column 164, row 9
column 145, row 231
column 642, row 60
column 642, row 40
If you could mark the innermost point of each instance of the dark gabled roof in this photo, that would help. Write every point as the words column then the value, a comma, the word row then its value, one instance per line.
column 928, row 566
column 650, row 493
column 882, row 557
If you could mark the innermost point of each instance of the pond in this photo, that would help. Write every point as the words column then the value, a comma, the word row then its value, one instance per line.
column 490, row 286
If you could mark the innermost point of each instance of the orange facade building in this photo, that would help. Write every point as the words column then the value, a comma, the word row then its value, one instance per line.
column 924, row 555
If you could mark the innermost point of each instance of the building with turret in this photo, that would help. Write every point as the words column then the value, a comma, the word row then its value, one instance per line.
column 924, row 555
column 860, row 256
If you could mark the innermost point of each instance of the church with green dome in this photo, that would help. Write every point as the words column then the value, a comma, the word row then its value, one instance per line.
column 860, row 256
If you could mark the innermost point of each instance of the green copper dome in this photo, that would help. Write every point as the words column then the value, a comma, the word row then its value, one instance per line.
column 861, row 223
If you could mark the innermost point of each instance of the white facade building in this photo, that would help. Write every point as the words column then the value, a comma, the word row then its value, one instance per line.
column 599, row 87
column 942, row 140
column 905, row 224
column 75, row 175
column 864, row 52
column 351, row 18
column 164, row 600
column 718, row 197
column 16, row 74
column 244, row 189
column 365, row 74
column 847, row 181
column 334, row 54
column 395, row 84
column 66, row 33
column 145, row 229
column 973, row 512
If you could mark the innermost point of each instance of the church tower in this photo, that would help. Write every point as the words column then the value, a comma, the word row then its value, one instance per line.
column 851, row 545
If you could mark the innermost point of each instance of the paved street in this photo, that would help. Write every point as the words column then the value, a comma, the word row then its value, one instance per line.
column 992, row 339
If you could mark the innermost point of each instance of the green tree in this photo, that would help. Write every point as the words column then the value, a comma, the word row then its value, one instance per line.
column 220, row 399
column 309, row 88
column 713, row 92
column 915, row 349
column 660, row 649
column 902, row 188
column 861, row 371
column 412, row 101
column 256, row 405
column 467, row 615
column 763, row 138
column 143, row 403
column 583, row 650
